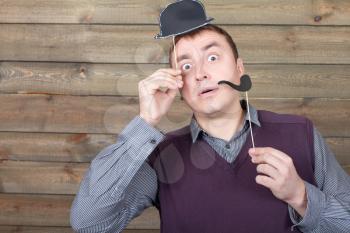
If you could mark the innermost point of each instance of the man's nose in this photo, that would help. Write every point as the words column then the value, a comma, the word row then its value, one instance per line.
column 201, row 73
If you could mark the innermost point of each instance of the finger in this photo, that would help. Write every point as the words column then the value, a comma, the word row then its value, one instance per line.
column 171, row 92
column 153, row 87
column 173, row 72
column 178, row 83
column 258, row 150
column 173, row 76
column 177, row 76
column 167, row 77
column 265, row 181
column 154, row 83
column 268, row 170
column 268, row 159
column 261, row 150
column 164, row 83
column 280, row 154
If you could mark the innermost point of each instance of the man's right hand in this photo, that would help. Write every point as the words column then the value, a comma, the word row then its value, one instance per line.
column 154, row 103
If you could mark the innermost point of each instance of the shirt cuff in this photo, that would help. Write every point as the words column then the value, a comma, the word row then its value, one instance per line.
column 316, row 203
column 138, row 133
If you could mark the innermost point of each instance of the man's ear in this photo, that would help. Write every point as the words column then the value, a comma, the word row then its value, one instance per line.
column 240, row 66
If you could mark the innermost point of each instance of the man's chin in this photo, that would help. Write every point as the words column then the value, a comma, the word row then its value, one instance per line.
column 214, row 109
column 209, row 111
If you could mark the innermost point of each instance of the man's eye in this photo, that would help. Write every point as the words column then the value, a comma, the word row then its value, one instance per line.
column 186, row 66
column 212, row 58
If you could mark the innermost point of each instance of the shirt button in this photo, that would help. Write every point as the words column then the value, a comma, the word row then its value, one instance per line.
column 153, row 141
column 228, row 146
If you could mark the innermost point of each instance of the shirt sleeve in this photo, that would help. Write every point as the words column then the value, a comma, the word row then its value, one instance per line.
column 328, row 205
column 119, row 184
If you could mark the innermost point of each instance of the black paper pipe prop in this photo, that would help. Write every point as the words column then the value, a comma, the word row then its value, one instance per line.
column 244, row 86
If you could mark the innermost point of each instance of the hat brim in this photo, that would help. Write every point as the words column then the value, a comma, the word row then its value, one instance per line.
column 160, row 36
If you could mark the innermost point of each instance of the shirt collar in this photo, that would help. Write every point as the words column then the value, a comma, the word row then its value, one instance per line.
column 196, row 129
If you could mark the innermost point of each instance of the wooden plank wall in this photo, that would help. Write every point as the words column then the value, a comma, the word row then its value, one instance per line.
column 68, row 85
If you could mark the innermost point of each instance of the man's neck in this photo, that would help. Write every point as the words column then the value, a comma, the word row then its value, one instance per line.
column 222, row 125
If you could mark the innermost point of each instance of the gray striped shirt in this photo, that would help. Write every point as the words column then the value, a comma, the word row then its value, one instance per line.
column 119, row 184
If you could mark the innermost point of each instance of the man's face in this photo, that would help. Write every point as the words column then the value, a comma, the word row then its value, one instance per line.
column 204, row 60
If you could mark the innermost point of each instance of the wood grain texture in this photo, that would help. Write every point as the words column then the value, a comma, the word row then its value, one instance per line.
column 34, row 210
column 273, row 81
column 96, row 114
column 304, row 12
column 53, row 210
column 45, row 178
column 136, row 44
column 89, row 114
column 69, row 71
column 28, row 229
column 347, row 169
column 53, row 147
column 340, row 148
column 40, row 177
column 58, row 147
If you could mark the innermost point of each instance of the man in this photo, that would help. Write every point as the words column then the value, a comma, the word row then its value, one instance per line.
column 206, row 177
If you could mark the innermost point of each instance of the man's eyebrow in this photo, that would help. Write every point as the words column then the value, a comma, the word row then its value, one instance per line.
column 212, row 44
column 186, row 56
column 183, row 57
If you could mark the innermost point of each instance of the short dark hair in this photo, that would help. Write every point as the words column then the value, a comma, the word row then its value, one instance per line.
column 208, row 27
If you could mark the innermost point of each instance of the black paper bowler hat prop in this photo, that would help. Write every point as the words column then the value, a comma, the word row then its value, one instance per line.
column 182, row 17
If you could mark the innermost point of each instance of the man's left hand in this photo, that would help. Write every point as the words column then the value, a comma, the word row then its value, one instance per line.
column 280, row 176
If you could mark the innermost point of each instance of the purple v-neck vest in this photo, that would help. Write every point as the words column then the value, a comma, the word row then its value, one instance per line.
column 200, row 192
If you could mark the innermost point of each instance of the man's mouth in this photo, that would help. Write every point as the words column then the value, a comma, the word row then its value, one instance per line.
column 208, row 91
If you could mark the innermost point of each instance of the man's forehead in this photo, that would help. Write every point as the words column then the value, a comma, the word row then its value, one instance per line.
column 202, row 39
column 200, row 42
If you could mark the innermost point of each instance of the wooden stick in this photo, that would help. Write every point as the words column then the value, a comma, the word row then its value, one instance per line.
column 175, row 55
column 250, row 123
column 175, row 59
